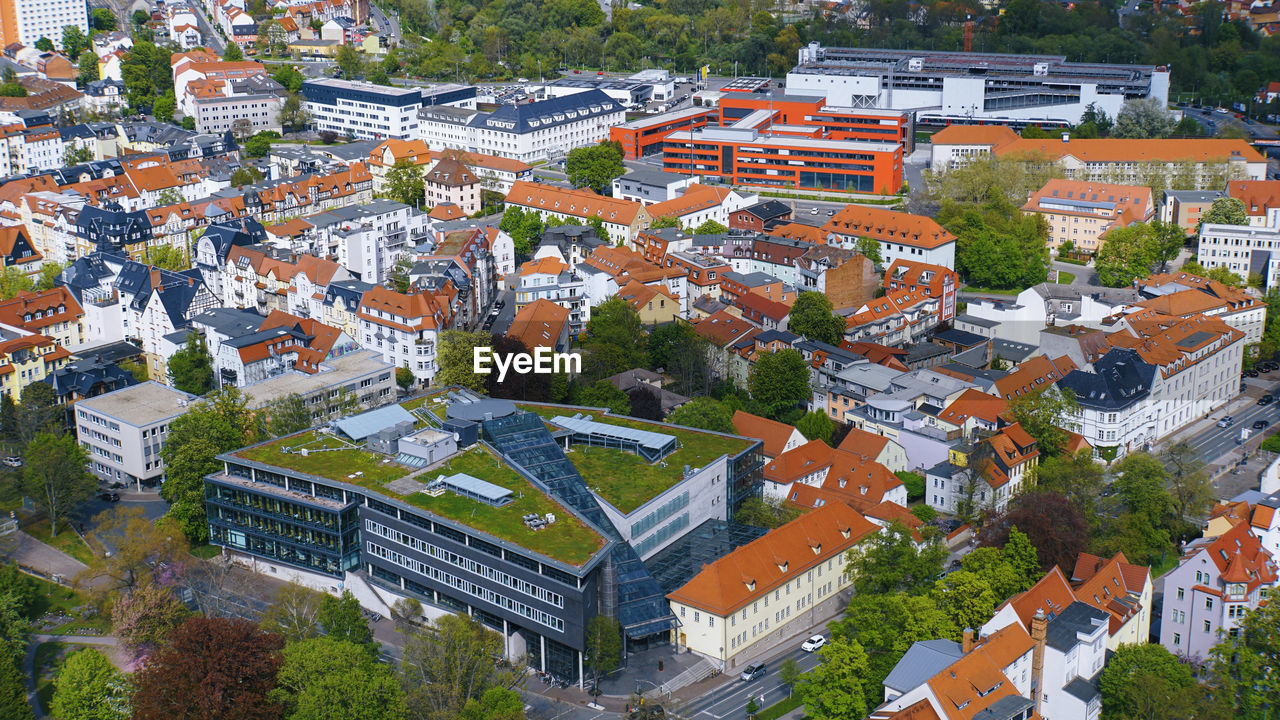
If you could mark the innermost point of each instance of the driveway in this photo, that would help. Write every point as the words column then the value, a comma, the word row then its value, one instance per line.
column 35, row 554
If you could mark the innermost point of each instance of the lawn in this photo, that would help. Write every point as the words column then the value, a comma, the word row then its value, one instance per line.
column 780, row 708
column 568, row 539
column 204, row 552
column 58, row 600
column 66, row 540
column 625, row 479
column 1065, row 278
column 337, row 459
column 48, row 657
column 989, row 291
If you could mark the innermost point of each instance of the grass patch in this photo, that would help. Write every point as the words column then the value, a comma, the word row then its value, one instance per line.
column 328, row 457
column 66, row 540
column 568, row 539
column 989, row 291
column 55, row 599
column 780, row 708
column 1066, row 278
column 1160, row 568
column 205, row 552
column 48, row 657
column 626, row 480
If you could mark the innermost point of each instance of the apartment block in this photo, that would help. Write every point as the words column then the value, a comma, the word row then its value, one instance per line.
column 123, row 431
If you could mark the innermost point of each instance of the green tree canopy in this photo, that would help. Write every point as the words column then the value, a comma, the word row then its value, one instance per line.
column 779, row 381
column 1144, row 118
column 710, row 227
column 1225, row 211
column 890, row 561
column 191, row 369
column 817, row 425
column 342, row 619
column 55, row 475
column 404, row 183
column 605, row 394
column 705, row 413
column 811, row 317
column 886, row 625
column 1127, row 254
column 594, row 166
column 451, row 662
column 1142, row 681
column 456, row 357
column 603, row 652
column 1043, row 414
column 325, row 677
column 88, row 687
column 834, row 689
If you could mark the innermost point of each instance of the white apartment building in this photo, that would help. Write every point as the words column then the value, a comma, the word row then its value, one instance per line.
column 535, row 131
column 362, row 110
column 123, row 431
column 404, row 328
column 1242, row 249
column 26, row 21
column 217, row 115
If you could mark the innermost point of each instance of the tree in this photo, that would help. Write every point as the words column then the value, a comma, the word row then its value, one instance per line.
column 44, row 44
column 246, row 175
column 141, row 546
column 889, row 561
column 140, row 17
column 666, row 221
column 1144, row 118
column 997, row 246
column 1076, row 477
column 450, row 662
column 886, row 625
column 73, row 41
column 604, row 394
column 13, row 693
column 811, row 317
column 14, row 281
column 1190, row 489
column 765, row 513
column 293, row 116
column 710, row 227
column 816, row 425
column 494, row 704
column 39, row 411
column 76, row 155
column 645, row 403
column 1127, row 253
column 519, row 386
column 524, row 228
column 1043, row 413
column 870, row 249
column 221, row 423
column 1241, row 668
column 1021, row 555
column 834, row 689
column 258, row 146
column 404, row 183
column 348, row 61
column 456, row 357
column 342, row 619
column 789, row 673
column 1225, row 211
column 704, row 413
column 294, row 614
column 88, row 687
column 966, row 598
column 191, row 369
column 88, row 69
column 603, row 652
column 288, row 77
column 233, row 53
column 286, row 415
column 145, row 616
column 55, row 476
column 323, row 677
column 1169, row 238
column 615, row 323
column 210, row 668
column 102, row 19
column 1052, row 523
column 167, row 257
column 1141, row 680
column 594, row 166
column 779, row 381
column 164, row 107
column 1140, row 483
column 404, row 377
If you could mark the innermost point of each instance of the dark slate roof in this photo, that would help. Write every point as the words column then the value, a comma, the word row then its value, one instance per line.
column 346, row 292
column 110, row 226
column 924, row 351
column 1082, row 689
column 1120, row 378
column 769, row 336
column 1009, row 706
column 240, row 232
column 1076, row 619
column 111, row 352
column 89, row 377
column 1010, row 350
column 231, row 322
column 768, row 210
column 547, row 113
column 960, row 337
column 922, row 661
column 88, row 272
column 839, row 355
column 565, row 236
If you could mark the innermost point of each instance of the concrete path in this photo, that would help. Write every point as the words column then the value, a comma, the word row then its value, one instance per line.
column 29, row 661
column 45, row 558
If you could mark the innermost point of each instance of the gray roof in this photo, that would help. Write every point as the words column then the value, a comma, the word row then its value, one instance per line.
column 359, row 427
column 1082, row 689
column 657, row 442
column 1010, row 350
column 974, row 357
column 751, row 279
column 922, row 661
column 646, row 176
column 232, row 322
column 974, row 320
column 1009, row 706
column 960, row 337
column 1078, row 618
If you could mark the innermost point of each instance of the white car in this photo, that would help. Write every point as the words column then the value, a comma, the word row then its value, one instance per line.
column 813, row 643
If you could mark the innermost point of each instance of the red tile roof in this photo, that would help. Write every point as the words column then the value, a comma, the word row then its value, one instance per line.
column 772, row 433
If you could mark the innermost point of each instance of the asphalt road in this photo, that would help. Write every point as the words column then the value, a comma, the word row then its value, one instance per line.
column 207, row 33
column 388, row 24
column 730, row 701
column 1216, row 442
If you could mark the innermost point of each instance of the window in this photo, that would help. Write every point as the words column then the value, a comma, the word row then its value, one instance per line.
column 1208, row 603
column 1207, row 626
column 1180, row 593
column 1177, row 638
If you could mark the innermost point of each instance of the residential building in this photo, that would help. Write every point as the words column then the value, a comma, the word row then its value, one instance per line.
column 1122, row 590
column 1199, row 164
column 450, row 181
column 777, row 438
column 542, row 323
column 530, row 132
column 622, row 219
column 26, row 360
column 26, row 21
column 1216, row 583
column 403, row 328
column 1181, row 295
column 1261, row 200
column 1242, row 249
column 53, row 313
column 761, row 217
column 700, row 204
column 281, row 343
column 847, row 278
column 1024, row 317
column 649, row 186
column 1082, row 212
column 944, row 87
column 1184, row 207
column 655, row 304
column 221, row 114
column 124, row 431
column 899, row 318
column 792, row 578
column 902, row 236
column 975, row 479
column 362, row 110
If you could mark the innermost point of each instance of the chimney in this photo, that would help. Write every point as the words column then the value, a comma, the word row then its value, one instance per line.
column 966, row 646
column 1039, row 631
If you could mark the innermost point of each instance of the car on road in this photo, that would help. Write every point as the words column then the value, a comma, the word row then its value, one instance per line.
column 830, row 213
column 813, row 211
column 1226, row 422
column 753, row 671
column 1252, row 373
column 500, row 304
column 13, row 461
column 109, row 497
column 1266, row 400
column 1260, row 425
column 813, row 643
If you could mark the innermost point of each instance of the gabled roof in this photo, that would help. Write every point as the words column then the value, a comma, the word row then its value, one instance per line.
column 864, row 443
column 759, row 567
column 723, row 328
column 1033, row 375
column 798, row 462
column 974, row 403
column 575, row 203
column 888, row 226
column 539, row 324
column 772, row 433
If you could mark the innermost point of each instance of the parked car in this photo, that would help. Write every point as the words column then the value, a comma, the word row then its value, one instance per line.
column 1266, row 400
column 500, row 304
column 13, row 461
column 1261, row 425
column 1253, row 373
column 109, row 497
column 1226, row 422
column 753, row 671
column 813, row 643
column 813, row 211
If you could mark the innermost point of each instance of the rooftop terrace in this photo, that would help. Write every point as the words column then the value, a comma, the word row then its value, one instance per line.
column 568, row 540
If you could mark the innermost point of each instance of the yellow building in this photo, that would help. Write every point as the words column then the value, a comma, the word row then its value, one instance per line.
column 28, row 360
column 1082, row 212
column 771, row 589
column 655, row 304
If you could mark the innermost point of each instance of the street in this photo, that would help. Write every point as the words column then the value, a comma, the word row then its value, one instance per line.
column 730, row 700
column 1215, row 442
column 388, row 25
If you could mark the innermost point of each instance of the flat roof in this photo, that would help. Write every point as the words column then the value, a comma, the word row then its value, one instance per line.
column 789, row 141
column 667, row 117
column 346, row 368
column 141, row 404
column 365, row 87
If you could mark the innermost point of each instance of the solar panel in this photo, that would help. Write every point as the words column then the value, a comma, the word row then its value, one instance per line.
column 477, row 489
column 655, row 444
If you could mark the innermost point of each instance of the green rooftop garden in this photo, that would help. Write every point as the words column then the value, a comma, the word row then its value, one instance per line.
column 625, row 479
column 568, row 540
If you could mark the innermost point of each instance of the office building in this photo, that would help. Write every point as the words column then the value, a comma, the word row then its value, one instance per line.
column 123, row 431
column 942, row 88
column 26, row 21
column 362, row 110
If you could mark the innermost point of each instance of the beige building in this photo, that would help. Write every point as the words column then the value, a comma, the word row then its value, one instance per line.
column 1082, row 212
column 123, row 431
column 771, row 589
column 449, row 181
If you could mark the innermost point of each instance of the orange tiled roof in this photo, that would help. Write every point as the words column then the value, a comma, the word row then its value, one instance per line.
column 722, row 328
column 446, row 211
column 772, row 433
column 53, row 306
column 539, row 324
column 864, row 443
column 576, row 203
column 548, row 265
column 798, row 462
column 422, row 310
column 974, row 403
column 1035, row 374
column 696, row 198
column 758, row 567
column 888, row 226
column 1258, row 196
column 975, row 135
column 1129, row 150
